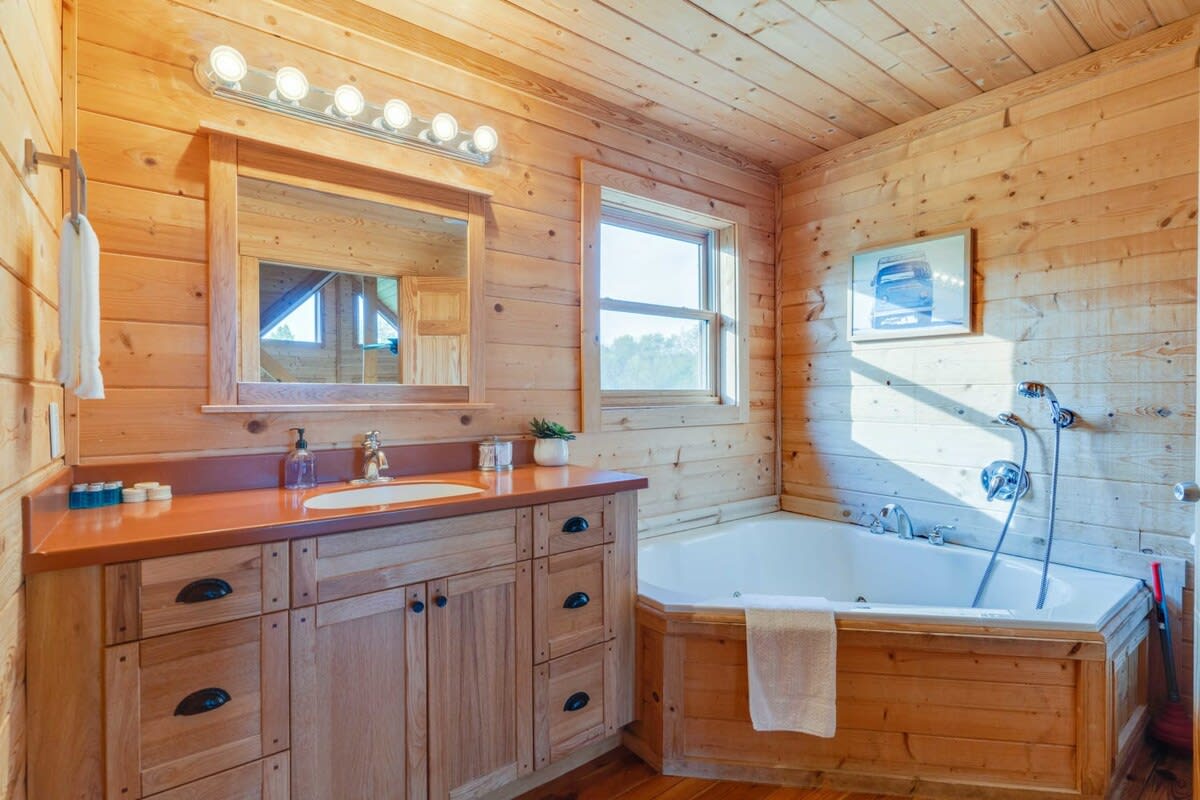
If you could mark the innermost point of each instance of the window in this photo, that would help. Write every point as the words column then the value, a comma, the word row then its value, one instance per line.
column 657, row 308
column 385, row 328
column 661, row 304
column 302, row 323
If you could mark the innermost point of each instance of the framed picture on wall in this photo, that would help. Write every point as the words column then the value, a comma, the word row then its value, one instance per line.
column 921, row 287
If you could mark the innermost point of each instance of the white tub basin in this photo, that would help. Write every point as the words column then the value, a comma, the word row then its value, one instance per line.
column 389, row 493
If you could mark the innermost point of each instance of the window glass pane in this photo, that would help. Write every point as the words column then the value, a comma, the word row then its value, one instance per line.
column 385, row 327
column 643, row 352
column 302, row 325
column 649, row 267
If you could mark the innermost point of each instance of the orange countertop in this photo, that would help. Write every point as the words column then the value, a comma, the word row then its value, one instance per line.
column 189, row 523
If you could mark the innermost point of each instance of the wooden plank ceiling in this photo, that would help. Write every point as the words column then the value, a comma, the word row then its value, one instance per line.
column 765, row 83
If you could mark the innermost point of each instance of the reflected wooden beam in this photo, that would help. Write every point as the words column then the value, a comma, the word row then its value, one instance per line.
column 370, row 324
column 273, row 367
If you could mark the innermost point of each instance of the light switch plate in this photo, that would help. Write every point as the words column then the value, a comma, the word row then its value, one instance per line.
column 56, row 448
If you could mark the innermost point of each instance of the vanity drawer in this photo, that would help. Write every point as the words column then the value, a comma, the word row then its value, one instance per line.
column 570, row 604
column 164, row 595
column 572, row 525
column 348, row 564
column 569, row 701
column 267, row 779
column 188, row 705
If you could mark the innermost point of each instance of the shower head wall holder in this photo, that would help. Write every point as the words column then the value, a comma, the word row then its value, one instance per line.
column 1004, row 479
column 1059, row 416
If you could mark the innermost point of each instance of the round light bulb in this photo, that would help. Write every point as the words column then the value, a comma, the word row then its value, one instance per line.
column 290, row 84
column 397, row 114
column 348, row 101
column 228, row 65
column 443, row 127
column 485, row 139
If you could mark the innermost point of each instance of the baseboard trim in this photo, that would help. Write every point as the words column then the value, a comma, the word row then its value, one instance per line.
column 650, row 527
column 555, row 770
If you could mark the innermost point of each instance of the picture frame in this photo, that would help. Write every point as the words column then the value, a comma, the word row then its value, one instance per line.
column 915, row 288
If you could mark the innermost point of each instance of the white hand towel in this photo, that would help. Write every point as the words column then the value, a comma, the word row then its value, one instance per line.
column 791, row 656
column 68, row 305
column 91, row 382
column 79, row 310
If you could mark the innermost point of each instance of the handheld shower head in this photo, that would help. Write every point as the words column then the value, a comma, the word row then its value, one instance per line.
column 1060, row 416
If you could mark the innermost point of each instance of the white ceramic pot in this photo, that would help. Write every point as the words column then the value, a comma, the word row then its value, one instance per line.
column 550, row 452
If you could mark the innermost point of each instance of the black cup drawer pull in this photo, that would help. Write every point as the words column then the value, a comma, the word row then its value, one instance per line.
column 203, row 590
column 576, row 600
column 575, row 525
column 576, row 701
column 201, row 702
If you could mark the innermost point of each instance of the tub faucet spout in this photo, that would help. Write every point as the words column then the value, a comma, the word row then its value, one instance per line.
column 903, row 523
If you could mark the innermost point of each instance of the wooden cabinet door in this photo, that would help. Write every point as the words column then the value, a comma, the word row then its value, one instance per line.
column 358, row 698
column 480, row 681
column 570, row 609
column 435, row 323
column 187, row 705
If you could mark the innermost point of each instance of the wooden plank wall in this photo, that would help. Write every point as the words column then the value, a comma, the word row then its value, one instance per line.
column 139, row 108
column 30, row 106
column 1081, row 187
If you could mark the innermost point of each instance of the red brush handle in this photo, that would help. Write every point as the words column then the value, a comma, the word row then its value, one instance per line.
column 1156, row 571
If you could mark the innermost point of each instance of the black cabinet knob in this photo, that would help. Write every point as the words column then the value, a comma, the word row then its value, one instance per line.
column 417, row 606
column 201, row 702
column 203, row 590
column 440, row 601
column 575, row 525
column 576, row 701
column 576, row 600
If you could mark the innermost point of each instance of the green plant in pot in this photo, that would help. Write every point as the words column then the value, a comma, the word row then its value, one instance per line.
column 550, row 449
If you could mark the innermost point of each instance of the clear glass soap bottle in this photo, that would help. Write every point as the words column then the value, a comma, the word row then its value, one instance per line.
column 300, row 468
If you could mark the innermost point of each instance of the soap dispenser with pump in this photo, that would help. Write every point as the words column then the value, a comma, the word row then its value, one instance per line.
column 300, row 468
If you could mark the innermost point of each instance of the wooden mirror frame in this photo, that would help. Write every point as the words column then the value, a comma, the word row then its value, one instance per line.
column 231, row 157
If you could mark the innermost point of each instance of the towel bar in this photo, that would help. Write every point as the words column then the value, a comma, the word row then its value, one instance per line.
column 71, row 163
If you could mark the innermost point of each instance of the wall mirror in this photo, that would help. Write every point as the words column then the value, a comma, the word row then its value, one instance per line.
column 340, row 286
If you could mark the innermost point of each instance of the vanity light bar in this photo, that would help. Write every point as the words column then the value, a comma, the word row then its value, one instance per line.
column 225, row 74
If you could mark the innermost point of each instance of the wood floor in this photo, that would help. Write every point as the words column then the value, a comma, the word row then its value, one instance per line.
column 620, row 775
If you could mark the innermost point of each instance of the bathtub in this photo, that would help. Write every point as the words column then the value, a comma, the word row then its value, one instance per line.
column 934, row 698
column 868, row 576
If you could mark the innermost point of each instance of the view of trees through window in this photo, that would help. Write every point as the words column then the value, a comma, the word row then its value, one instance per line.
column 652, row 359
column 655, row 309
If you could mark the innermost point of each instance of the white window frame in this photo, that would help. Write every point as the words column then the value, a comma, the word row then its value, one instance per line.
column 707, row 311
column 611, row 194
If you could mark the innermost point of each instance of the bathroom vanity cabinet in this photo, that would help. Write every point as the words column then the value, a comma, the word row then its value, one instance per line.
column 436, row 659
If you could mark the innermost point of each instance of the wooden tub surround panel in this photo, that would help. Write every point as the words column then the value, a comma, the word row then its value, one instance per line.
column 396, row 660
column 940, row 711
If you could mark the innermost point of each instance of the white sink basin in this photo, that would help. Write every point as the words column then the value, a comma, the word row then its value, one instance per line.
column 385, row 494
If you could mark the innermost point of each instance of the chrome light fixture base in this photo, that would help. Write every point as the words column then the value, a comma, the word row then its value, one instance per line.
column 257, row 88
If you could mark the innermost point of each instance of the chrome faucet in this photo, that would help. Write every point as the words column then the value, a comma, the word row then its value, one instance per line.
column 935, row 536
column 374, row 460
column 903, row 524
